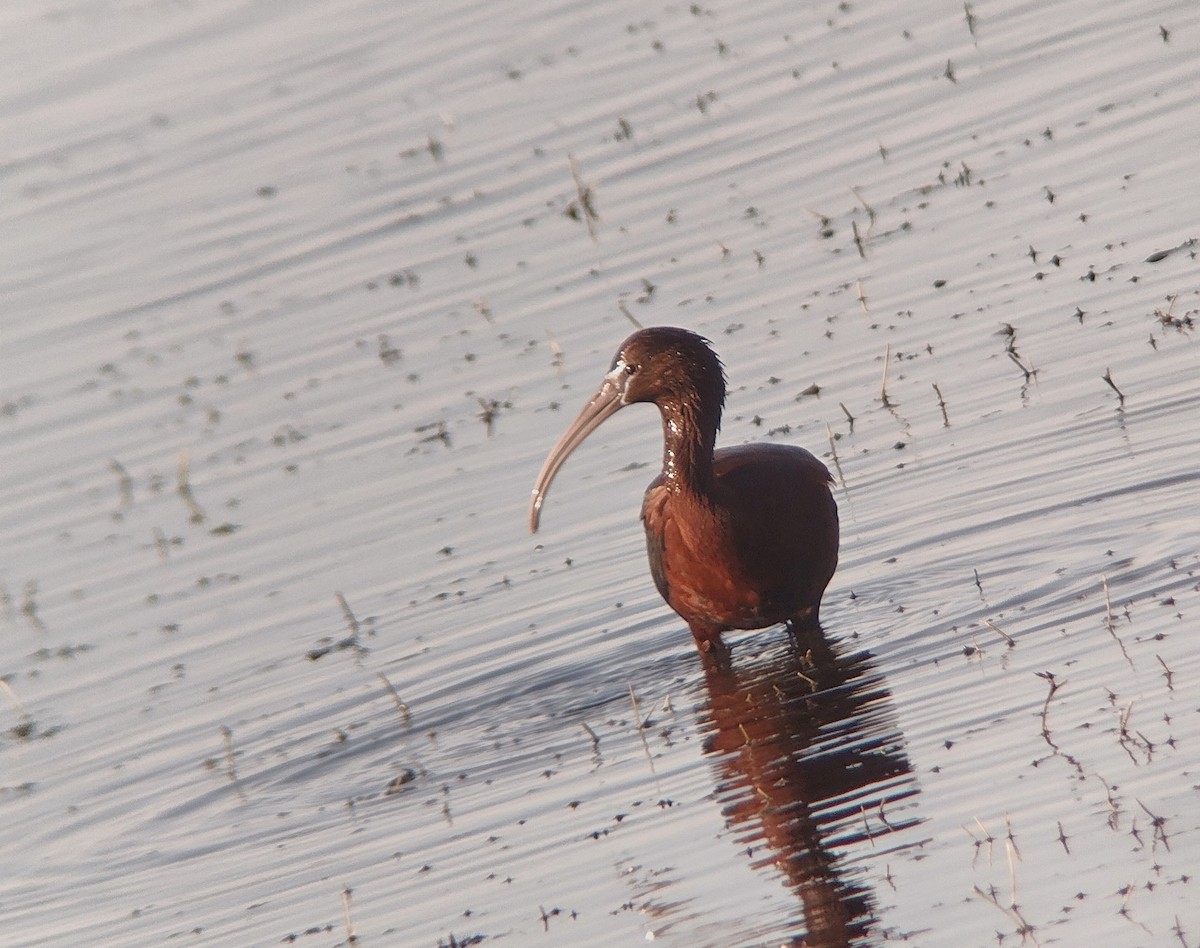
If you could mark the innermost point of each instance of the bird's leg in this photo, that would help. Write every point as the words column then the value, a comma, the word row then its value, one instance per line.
column 718, row 661
column 806, row 619
column 814, row 651
column 708, row 639
column 804, row 629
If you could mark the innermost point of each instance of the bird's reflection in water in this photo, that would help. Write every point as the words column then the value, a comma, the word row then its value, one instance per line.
column 812, row 773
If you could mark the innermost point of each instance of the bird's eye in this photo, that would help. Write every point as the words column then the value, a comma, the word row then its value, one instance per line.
column 630, row 368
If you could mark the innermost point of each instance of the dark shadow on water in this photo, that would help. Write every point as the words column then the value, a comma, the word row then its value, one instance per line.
column 812, row 775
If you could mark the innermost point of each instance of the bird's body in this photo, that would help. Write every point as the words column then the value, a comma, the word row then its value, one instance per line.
column 739, row 538
column 759, row 549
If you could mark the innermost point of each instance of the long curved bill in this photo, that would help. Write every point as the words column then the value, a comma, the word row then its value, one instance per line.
column 608, row 400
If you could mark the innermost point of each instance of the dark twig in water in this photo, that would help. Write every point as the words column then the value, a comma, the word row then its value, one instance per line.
column 351, row 938
column 1109, row 624
column 584, row 209
column 400, row 705
column 1029, row 373
column 1011, row 837
column 833, row 453
column 1107, row 376
column 124, row 482
column 441, row 434
column 351, row 621
column 825, row 222
column 29, row 607
column 350, row 641
column 849, row 417
column 1126, row 893
column 1166, row 673
column 942, row 406
column 1024, row 929
column 628, row 315
column 1062, row 838
column 986, row 838
column 641, row 727
column 1114, row 808
column 1000, row 632
column 230, row 770
column 1128, row 737
column 556, row 349
column 887, row 359
column 866, row 207
column 25, row 728
column 1010, row 849
column 546, row 916
column 489, row 409
column 1007, row 329
column 185, row 490
column 883, row 816
column 862, row 810
column 1054, row 684
column 1160, row 826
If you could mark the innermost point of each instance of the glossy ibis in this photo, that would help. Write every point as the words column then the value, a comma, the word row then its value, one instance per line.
column 739, row 538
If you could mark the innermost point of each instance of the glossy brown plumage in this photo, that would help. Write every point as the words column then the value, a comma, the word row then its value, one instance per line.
column 739, row 538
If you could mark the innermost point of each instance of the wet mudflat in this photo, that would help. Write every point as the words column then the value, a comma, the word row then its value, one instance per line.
column 297, row 299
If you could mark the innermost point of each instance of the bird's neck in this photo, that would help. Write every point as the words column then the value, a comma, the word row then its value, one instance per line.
column 689, row 436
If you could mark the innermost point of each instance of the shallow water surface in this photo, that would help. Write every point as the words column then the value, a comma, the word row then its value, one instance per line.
column 298, row 297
